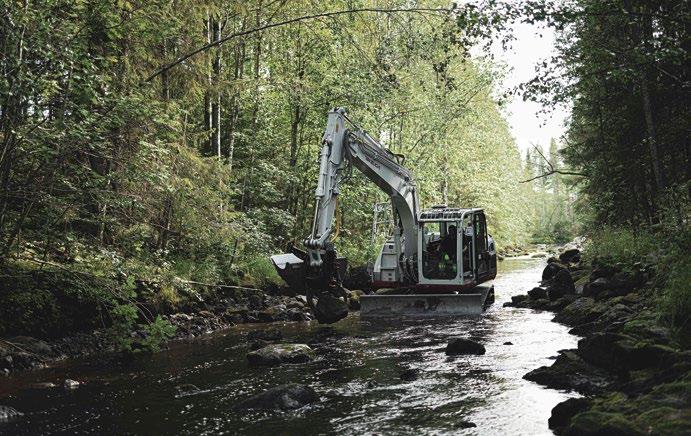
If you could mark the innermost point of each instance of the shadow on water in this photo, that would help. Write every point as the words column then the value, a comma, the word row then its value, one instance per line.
column 192, row 388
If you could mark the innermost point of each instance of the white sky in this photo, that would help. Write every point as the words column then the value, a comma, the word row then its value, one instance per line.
column 528, row 126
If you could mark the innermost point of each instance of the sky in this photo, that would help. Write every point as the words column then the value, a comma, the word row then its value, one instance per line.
column 528, row 125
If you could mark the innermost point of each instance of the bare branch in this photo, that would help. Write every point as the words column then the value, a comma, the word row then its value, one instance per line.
column 552, row 170
column 549, row 173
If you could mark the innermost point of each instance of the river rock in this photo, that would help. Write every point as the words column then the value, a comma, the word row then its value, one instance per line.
column 564, row 282
column 581, row 311
column 560, row 303
column 410, row 374
column 569, row 371
column 465, row 424
column 620, row 353
column 330, row 309
column 537, row 293
column 277, row 354
column 564, row 411
column 550, row 271
column 70, row 384
column 297, row 314
column 595, row 423
column 517, row 299
column 7, row 413
column 285, row 397
column 572, row 255
column 464, row 346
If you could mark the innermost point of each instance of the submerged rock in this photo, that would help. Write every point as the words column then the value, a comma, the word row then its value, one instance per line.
column 464, row 346
column 466, row 424
column 410, row 374
column 284, row 397
column 265, row 335
column 277, row 354
column 7, row 413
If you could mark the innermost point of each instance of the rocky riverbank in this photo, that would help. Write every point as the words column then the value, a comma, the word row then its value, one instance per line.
column 241, row 306
column 634, row 376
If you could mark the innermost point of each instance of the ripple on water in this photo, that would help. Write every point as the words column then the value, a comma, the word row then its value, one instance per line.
column 357, row 373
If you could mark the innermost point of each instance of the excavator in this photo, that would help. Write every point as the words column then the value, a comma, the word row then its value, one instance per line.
column 438, row 261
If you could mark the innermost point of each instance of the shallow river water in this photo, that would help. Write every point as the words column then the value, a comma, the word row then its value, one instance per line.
column 356, row 374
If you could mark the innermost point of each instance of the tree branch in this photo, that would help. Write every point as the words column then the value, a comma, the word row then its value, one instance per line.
column 552, row 170
column 218, row 42
column 549, row 173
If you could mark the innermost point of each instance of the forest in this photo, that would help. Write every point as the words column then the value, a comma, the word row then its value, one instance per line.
column 149, row 147
column 154, row 155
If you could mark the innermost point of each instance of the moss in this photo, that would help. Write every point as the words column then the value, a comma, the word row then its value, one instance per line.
column 601, row 423
column 665, row 420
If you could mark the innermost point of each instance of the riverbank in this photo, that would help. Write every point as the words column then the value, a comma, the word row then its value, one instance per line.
column 633, row 373
column 232, row 306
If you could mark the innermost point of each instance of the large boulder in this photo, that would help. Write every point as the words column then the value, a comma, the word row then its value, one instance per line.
column 464, row 346
column 284, row 397
column 330, row 309
column 564, row 411
column 571, row 255
column 621, row 353
column 597, row 286
column 551, row 270
column 569, row 371
column 277, row 354
column 563, row 282
column 7, row 413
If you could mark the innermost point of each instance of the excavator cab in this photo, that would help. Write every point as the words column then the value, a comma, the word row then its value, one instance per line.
column 456, row 251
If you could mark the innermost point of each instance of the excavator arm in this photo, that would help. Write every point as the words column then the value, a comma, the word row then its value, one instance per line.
column 345, row 145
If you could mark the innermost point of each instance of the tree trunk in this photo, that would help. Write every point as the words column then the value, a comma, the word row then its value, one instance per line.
column 216, row 100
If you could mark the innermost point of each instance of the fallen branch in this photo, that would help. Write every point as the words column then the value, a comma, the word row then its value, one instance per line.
column 242, row 288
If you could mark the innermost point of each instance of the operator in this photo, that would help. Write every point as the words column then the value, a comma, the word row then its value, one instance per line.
column 448, row 244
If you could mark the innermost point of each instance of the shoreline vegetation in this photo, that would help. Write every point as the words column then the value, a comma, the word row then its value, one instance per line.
column 633, row 364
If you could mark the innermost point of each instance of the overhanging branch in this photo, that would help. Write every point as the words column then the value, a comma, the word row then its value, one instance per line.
column 218, row 42
column 552, row 170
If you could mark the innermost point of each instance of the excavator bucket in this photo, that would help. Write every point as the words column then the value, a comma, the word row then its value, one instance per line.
column 291, row 268
column 417, row 305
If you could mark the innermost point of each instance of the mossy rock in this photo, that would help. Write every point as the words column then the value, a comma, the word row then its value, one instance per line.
column 595, row 423
column 665, row 420
column 276, row 354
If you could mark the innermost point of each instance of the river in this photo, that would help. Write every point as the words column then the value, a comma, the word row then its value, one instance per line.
column 356, row 374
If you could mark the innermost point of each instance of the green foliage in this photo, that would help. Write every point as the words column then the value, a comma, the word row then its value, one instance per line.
column 667, row 252
column 675, row 303
column 621, row 245
column 202, row 173
column 157, row 333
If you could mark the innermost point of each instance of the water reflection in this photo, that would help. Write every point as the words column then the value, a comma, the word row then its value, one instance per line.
column 191, row 389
